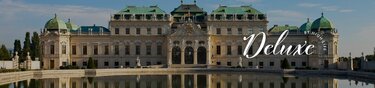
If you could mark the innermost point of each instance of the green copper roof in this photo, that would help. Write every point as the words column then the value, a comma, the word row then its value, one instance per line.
column 71, row 26
column 141, row 10
column 321, row 23
column 184, row 8
column 55, row 23
column 235, row 10
column 306, row 26
column 283, row 28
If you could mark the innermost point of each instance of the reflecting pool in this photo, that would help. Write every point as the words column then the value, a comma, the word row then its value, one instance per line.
column 198, row 80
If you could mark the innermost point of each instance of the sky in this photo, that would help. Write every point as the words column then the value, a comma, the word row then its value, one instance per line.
column 354, row 19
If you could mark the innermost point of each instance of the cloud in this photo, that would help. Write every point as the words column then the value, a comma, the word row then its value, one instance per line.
column 308, row 5
column 285, row 15
column 346, row 10
column 329, row 8
column 359, row 41
column 246, row 1
column 82, row 14
column 21, row 17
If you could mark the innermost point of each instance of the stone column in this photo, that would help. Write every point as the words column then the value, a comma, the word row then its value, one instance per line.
column 182, row 55
column 208, row 82
column 182, row 81
column 195, row 81
column 195, row 56
column 169, row 56
column 169, row 81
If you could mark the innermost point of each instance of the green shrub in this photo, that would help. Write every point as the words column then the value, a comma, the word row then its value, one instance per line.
column 91, row 64
column 285, row 64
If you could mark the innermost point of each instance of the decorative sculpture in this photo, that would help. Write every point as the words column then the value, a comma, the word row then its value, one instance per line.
column 138, row 62
column 240, row 62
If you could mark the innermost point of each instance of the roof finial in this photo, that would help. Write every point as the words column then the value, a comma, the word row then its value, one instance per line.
column 195, row 1
column 55, row 15
column 322, row 14
column 182, row 1
column 308, row 19
column 69, row 20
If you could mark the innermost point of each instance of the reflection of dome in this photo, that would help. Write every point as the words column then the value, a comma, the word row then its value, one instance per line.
column 71, row 26
column 55, row 23
column 321, row 23
column 306, row 26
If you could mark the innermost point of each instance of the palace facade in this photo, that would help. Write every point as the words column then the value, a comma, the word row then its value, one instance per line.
column 186, row 37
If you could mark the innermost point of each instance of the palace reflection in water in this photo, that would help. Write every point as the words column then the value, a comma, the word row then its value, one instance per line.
column 250, row 80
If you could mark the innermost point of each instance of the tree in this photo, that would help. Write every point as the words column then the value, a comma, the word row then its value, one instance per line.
column 26, row 47
column 35, row 46
column 285, row 64
column 91, row 64
column 17, row 46
column 4, row 53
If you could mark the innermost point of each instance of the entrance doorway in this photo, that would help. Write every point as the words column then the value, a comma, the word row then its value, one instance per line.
column 189, row 55
column 202, row 55
column 176, row 55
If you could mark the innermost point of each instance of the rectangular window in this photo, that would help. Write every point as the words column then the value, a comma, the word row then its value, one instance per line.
column 148, row 50
column 106, row 50
column 229, row 85
column 250, row 85
column 117, row 50
column 304, row 85
column 63, row 49
column 229, row 31
column 261, row 85
column 272, row 85
column 95, row 49
column 218, row 50
column 84, row 50
column 106, row 64
column 84, row 63
column 229, row 63
column 250, row 63
column 260, row 63
column 127, row 30
column 159, row 31
column 117, row 31
column 239, row 30
column 74, row 63
column 304, row 64
column 138, row 31
column 52, row 49
column 272, row 63
column 117, row 63
column 127, row 64
column 218, row 85
column 239, row 50
column 127, row 50
column 148, row 63
column 293, row 85
column 74, row 49
column 149, row 31
column 218, row 31
column 293, row 64
column 229, row 50
column 159, row 50
column 137, row 50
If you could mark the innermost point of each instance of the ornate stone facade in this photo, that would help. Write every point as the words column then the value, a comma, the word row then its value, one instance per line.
column 188, row 37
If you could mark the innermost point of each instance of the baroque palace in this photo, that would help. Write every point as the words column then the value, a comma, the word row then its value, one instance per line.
column 187, row 37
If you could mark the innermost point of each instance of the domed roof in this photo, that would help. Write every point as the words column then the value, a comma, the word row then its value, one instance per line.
column 306, row 26
column 71, row 26
column 55, row 23
column 321, row 23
